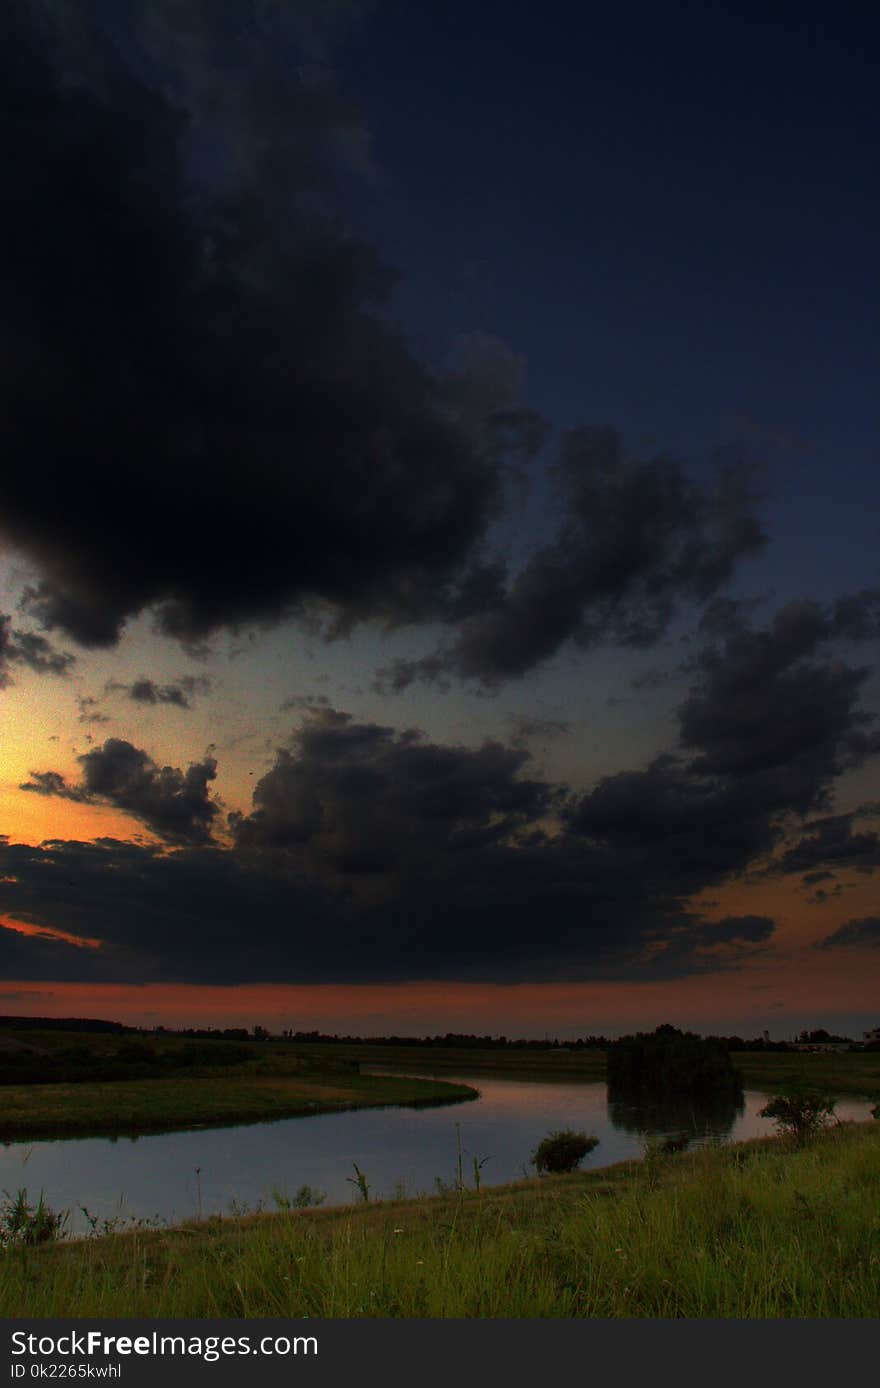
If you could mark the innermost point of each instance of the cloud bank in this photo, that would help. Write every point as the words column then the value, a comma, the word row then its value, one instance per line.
column 224, row 374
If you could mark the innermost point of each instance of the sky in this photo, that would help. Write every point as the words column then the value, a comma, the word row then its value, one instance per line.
column 439, row 582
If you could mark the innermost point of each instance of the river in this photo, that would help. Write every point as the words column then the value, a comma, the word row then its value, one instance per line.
column 168, row 1177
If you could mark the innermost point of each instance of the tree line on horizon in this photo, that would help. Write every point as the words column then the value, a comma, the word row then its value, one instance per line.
column 450, row 1039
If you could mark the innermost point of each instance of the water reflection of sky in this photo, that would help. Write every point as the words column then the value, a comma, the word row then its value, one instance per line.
column 157, row 1176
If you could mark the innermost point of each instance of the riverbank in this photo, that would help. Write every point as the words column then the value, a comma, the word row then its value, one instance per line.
column 129, row 1107
column 758, row 1229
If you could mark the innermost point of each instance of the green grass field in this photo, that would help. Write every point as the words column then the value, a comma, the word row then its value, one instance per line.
column 266, row 1082
column 837, row 1073
column 760, row 1229
column 136, row 1106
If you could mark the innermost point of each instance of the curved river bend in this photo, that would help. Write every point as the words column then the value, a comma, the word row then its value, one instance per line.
column 170, row 1177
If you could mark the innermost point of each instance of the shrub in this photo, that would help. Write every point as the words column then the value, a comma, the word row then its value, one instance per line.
column 563, row 1150
column 799, row 1114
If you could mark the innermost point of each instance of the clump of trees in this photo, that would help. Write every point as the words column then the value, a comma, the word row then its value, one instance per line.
column 669, row 1061
column 563, row 1150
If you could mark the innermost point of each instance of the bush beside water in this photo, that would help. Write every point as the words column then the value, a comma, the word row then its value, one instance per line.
column 563, row 1151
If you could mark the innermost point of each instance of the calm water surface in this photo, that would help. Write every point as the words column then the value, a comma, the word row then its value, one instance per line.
column 175, row 1176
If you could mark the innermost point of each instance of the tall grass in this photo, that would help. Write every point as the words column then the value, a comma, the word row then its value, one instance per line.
column 757, row 1230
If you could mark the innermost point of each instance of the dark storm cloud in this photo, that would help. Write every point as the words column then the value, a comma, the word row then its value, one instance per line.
column 673, row 829
column 639, row 539
column 174, row 804
column 832, row 843
column 770, row 721
column 371, row 853
column 208, row 412
column 358, row 798
column 858, row 933
column 537, row 912
column 451, row 859
column 765, row 705
column 180, row 693
column 30, row 649
column 181, row 290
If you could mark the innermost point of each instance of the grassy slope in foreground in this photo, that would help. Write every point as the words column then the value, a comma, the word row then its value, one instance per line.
column 154, row 1105
column 753, row 1230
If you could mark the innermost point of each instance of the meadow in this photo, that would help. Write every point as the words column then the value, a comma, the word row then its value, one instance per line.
column 761, row 1229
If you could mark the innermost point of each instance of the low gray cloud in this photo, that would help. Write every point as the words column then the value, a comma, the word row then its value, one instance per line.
column 89, row 710
column 180, row 693
column 29, row 649
column 304, row 702
column 859, row 933
column 529, row 729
